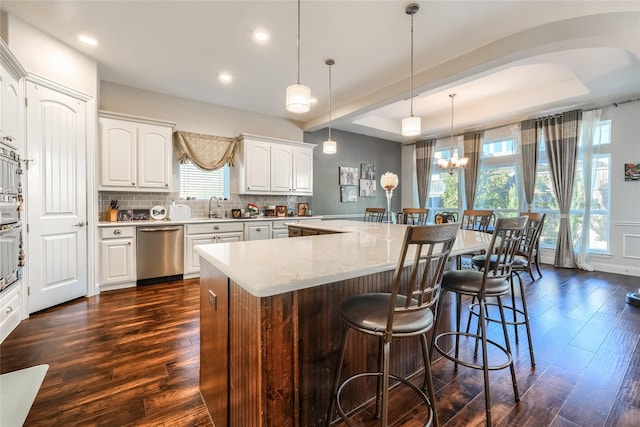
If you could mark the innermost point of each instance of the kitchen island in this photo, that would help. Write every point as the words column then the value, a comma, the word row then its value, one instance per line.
column 270, row 322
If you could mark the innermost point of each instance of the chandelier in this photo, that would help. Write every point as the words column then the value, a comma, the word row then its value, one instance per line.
column 453, row 163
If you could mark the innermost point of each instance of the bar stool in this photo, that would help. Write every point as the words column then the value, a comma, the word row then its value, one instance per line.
column 374, row 214
column 523, row 260
column 403, row 312
column 492, row 281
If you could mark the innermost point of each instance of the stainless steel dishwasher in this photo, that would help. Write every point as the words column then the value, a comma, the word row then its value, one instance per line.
column 159, row 253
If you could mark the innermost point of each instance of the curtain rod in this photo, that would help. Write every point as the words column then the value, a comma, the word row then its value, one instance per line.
column 613, row 104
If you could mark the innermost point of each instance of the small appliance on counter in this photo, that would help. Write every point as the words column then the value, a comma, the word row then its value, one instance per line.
column 179, row 212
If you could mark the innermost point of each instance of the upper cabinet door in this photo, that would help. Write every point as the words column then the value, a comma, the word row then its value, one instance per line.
column 154, row 156
column 135, row 155
column 281, row 161
column 303, row 170
column 118, row 153
column 257, row 166
column 9, row 107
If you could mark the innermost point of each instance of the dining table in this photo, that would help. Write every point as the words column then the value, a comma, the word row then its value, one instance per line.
column 270, row 324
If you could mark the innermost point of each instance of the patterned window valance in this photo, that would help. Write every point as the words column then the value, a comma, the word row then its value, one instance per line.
column 205, row 151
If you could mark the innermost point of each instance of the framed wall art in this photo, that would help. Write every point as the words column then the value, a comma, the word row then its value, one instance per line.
column 632, row 171
column 367, row 171
column 348, row 193
column 348, row 175
column 367, row 188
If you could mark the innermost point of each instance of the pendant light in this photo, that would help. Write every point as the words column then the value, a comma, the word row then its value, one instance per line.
column 411, row 126
column 298, row 99
column 454, row 163
column 329, row 146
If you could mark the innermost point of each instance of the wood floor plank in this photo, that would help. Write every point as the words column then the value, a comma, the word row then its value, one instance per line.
column 131, row 358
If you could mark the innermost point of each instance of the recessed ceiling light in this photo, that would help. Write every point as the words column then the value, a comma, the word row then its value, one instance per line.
column 261, row 35
column 225, row 77
column 88, row 40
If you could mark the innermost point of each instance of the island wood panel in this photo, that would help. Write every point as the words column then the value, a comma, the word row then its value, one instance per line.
column 263, row 360
column 214, row 323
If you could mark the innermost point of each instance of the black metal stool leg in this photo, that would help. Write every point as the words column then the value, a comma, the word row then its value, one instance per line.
column 508, row 347
column 485, row 361
column 428, row 380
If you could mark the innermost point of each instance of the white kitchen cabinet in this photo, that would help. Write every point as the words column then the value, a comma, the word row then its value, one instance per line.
column 204, row 234
column 10, row 310
column 258, row 230
column 273, row 166
column 11, row 96
column 117, row 257
column 279, row 230
column 136, row 154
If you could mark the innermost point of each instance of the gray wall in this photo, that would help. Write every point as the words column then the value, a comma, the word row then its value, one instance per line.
column 353, row 149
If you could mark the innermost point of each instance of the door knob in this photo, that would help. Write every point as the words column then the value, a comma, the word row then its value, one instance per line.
column 80, row 224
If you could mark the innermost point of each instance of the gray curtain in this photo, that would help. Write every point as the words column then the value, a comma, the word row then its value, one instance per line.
column 472, row 150
column 530, row 141
column 561, row 133
column 208, row 152
column 424, row 160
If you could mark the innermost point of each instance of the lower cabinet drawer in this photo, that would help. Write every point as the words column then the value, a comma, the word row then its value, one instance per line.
column 10, row 312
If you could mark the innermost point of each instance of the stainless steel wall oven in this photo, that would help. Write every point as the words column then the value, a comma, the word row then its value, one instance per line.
column 11, row 249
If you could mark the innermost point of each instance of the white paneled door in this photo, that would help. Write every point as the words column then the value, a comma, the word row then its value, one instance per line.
column 56, row 197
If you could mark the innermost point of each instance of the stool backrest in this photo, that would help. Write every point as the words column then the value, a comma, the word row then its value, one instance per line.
column 529, row 242
column 504, row 245
column 374, row 214
column 478, row 220
column 418, row 287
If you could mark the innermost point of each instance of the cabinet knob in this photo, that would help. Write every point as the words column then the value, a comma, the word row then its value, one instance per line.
column 117, row 231
column 129, row 243
column 133, row 183
column 215, row 227
column 9, row 309
column 166, row 185
column 258, row 230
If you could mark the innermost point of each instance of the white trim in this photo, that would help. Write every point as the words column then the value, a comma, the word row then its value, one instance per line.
column 625, row 238
column 39, row 80
column 625, row 223
column 139, row 119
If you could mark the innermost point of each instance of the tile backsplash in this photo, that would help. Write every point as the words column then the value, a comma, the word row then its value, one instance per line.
column 199, row 207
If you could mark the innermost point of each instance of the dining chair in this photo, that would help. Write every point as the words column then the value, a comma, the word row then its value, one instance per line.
column 476, row 219
column 405, row 311
column 491, row 281
column 413, row 216
column 374, row 214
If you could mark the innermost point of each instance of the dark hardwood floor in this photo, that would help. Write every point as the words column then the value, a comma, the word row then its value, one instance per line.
column 131, row 357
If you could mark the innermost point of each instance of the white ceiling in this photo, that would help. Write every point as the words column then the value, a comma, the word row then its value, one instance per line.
column 505, row 60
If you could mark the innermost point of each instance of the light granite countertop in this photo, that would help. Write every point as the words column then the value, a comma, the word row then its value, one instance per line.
column 271, row 267
column 205, row 220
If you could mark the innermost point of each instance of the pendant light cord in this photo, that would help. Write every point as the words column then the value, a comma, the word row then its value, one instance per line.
column 329, row 99
column 451, row 96
column 411, row 79
column 298, row 41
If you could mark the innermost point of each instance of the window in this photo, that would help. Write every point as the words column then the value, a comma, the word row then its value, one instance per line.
column 443, row 188
column 544, row 199
column 496, row 188
column 202, row 184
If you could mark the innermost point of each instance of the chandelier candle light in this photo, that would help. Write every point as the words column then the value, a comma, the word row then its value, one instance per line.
column 389, row 181
column 454, row 162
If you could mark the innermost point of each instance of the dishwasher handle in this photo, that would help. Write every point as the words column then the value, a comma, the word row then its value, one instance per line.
column 154, row 229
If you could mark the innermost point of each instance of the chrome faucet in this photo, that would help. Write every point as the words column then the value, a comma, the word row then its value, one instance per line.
column 212, row 212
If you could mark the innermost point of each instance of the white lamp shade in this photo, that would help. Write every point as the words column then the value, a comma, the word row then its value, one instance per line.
column 411, row 126
column 298, row 98
column 389, row 181
column 329, row 147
